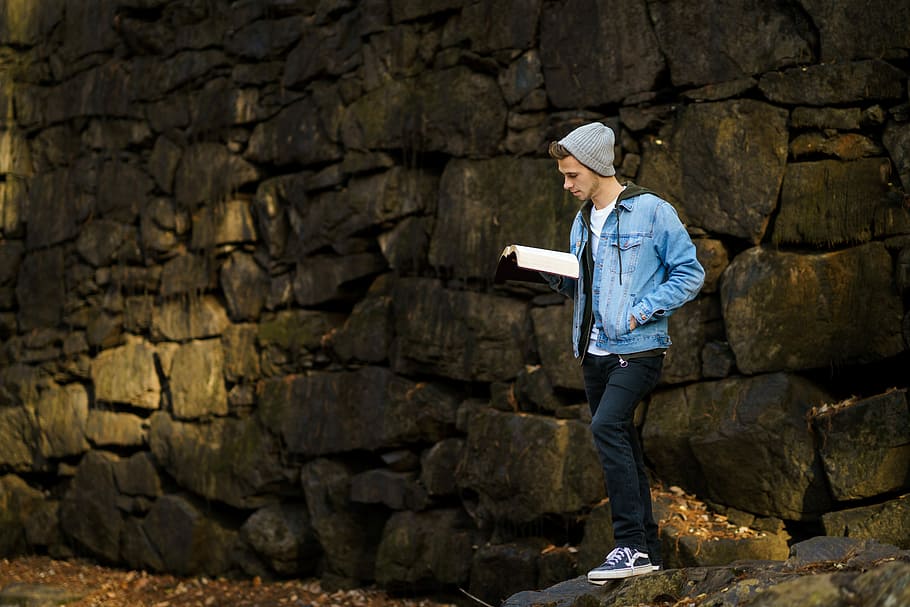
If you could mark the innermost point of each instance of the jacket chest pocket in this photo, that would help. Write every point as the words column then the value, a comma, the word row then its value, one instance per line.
column 626, row 255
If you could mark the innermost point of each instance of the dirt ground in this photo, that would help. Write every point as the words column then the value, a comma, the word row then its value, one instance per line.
column 95, row 586
column 81, row 583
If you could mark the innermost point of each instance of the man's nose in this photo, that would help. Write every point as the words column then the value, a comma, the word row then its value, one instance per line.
column 566, row 184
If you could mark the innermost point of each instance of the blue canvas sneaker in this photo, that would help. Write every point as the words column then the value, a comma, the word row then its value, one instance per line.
column 622, row 562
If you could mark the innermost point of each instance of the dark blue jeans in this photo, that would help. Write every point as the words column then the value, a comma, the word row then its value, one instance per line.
column 613, row 391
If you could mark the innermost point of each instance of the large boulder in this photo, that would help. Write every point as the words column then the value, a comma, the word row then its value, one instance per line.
column 713, row 184
column 533, row 454
column 197, row 380
column 864, row 445
column 475, row 221
column 17, row 438
column 830, row 203
column 425, row 551
column 366, row 203
column 18, row 503
column 39, row 288
column 127, row 375
column 852, row 31
column 115, row 429
column 188, row 541
column 734, row 40
column 457, row 334
column 773, row 300
column 223, row 223
column 741, row 442
column 887, row 522
column 89, row 515
column 302, row 133
column 349, row 537
column 835, row 83
column 61, row 414
column 553, row 334
column 632, row 59
column 367, row 409
column 234, row 461
column 208, row 173
column 325, row 279
column 291, row 339
column 189, row 317
column 417, row 114
column 282, row 535
column 54, row 202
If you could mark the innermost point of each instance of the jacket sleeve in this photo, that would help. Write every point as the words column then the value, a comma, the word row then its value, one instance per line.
column 561, row 284
column 685, row 275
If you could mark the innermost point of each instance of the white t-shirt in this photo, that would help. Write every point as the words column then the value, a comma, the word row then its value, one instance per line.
column 598, row 219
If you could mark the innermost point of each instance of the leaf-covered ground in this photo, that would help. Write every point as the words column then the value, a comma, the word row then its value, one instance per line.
column 80, row 583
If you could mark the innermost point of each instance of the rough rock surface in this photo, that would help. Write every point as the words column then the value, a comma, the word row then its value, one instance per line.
column 247, row 318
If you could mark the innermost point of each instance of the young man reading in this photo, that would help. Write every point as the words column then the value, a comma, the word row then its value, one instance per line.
column 637, row 265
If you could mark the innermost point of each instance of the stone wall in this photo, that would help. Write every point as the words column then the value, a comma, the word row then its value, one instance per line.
column 246, row 252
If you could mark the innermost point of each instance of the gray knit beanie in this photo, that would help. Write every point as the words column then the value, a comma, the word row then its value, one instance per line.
column 592, row 145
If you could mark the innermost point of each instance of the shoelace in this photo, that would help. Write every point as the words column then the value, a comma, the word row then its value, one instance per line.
column 617, row 555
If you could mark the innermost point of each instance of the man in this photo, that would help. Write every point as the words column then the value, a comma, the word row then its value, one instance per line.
column 637, row 266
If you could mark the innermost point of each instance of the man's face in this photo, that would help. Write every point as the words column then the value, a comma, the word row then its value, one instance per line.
column 578, row 179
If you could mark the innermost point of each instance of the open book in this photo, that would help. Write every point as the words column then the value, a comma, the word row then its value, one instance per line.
column 518, row 262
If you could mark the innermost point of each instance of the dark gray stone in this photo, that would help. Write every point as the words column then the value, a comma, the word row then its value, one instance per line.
column 475, row 222
column 395, row 490
column 505, row 25
column 425, row 551
column 245, row 286
column 897, row 141
column 88, row 513
column 834, row 83
column 735, row 40
column 771, row 301
column 321, row 279
column 188, row 542
column 283, row 536
column 553, row 333
column 209, row 173
column 234, row 461
column 500, row 570
column 417, row 115
column 38, row 289
column 366, row 335
column 691, row 327
column 138, row 475
column 712, row 183
column 18, row 503
column 303, row 133
column 741, row 442
column 535, row 453
column 349, row 538
column 456, row 334
column 56, row 205
column 887, row 522
column 438, row 465
column 830, row 203
column 857, row 32
column 328, row 49
column 632, row 58
column 187, row 273
column 863, row 445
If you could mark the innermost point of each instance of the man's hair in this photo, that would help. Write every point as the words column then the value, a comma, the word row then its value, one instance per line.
column 558, row 151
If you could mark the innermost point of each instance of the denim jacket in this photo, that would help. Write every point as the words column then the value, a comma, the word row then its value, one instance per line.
column 646, row 268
